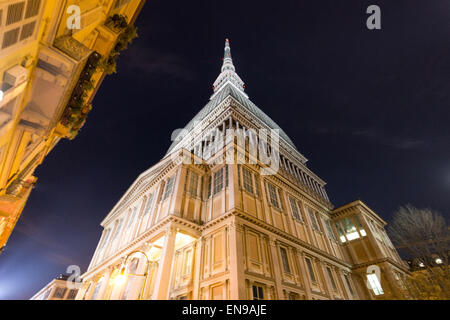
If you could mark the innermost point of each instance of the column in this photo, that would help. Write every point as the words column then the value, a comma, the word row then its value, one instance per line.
column 197, row 267
column 304, row 274
column 237, row 277
column 276, row 267
column 105, row 282
column 161, row 289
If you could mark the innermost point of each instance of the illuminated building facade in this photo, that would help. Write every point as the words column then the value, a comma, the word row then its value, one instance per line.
column 194, row 226
column 50, row 70
column 57, row 289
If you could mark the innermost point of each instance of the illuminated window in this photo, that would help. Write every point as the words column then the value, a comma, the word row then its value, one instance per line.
column 273, row 196
column 248, row 181
column 330, row 275
column 169, row 187
column 218, row 181
column 310, row 270
column 285, row 260
column 375, row 284
column 258, row 293
column 340, row 232
column 349, row 229
column 360, row 227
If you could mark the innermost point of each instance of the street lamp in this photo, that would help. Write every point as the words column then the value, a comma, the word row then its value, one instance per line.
column 122, row 276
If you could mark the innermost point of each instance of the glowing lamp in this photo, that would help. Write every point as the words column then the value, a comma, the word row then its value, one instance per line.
column 121, row 277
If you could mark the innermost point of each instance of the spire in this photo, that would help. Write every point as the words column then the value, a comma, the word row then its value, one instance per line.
column 227, row 60
column 228, row 73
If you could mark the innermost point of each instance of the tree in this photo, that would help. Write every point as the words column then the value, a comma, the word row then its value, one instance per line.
column 423, row 235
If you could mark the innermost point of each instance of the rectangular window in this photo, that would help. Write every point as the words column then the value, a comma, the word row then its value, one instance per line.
column 32, row 8
column 248, row 182
column 10, row 37
column 330, row 275
column 349, row 229
column 313, row 219
column 348, row 284
column 257, row 187
column 148, row 205
column 218, row 181
column 27, row 30
column 209, row 185
column 188, row 262
column 132, row 218
column 340, row 232
column 310, row 270
column 169, row 187
column 59, row 293
column 273, row 196
column 360, row 227
column 15, row 13
column 72, row 294
column 226, row 176
column 375, row 284
column 329, row 230
column 193, row 183
column 285, row 260
column 294, row 208
column 258, row 293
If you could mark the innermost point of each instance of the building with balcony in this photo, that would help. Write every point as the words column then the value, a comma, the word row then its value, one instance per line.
column 50, row 70
column 223, row 216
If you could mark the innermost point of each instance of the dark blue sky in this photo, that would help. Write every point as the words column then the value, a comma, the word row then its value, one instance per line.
column 369, row 109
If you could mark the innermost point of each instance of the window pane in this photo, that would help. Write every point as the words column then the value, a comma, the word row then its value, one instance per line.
column 193, row 184
column 330, row 274
column 148, row 205
column 310, row 269
column 330, row 230
column 218, row 181
column 313, row 219
column 257, row 188
column 273, row 195
column 32, row 8
column 285, row 260
column 248, row 182
column 375, row 284
column 294, row 208
column 360, row 227
column 348, row 284
column 349, row 229
column 15, row 12
column 169, row 187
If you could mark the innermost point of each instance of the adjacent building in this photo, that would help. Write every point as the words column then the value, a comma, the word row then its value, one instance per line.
column 58, row 289
column 53, row 58
column 223, row 216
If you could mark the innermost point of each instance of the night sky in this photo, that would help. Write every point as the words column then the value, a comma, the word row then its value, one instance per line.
column 369, row 109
